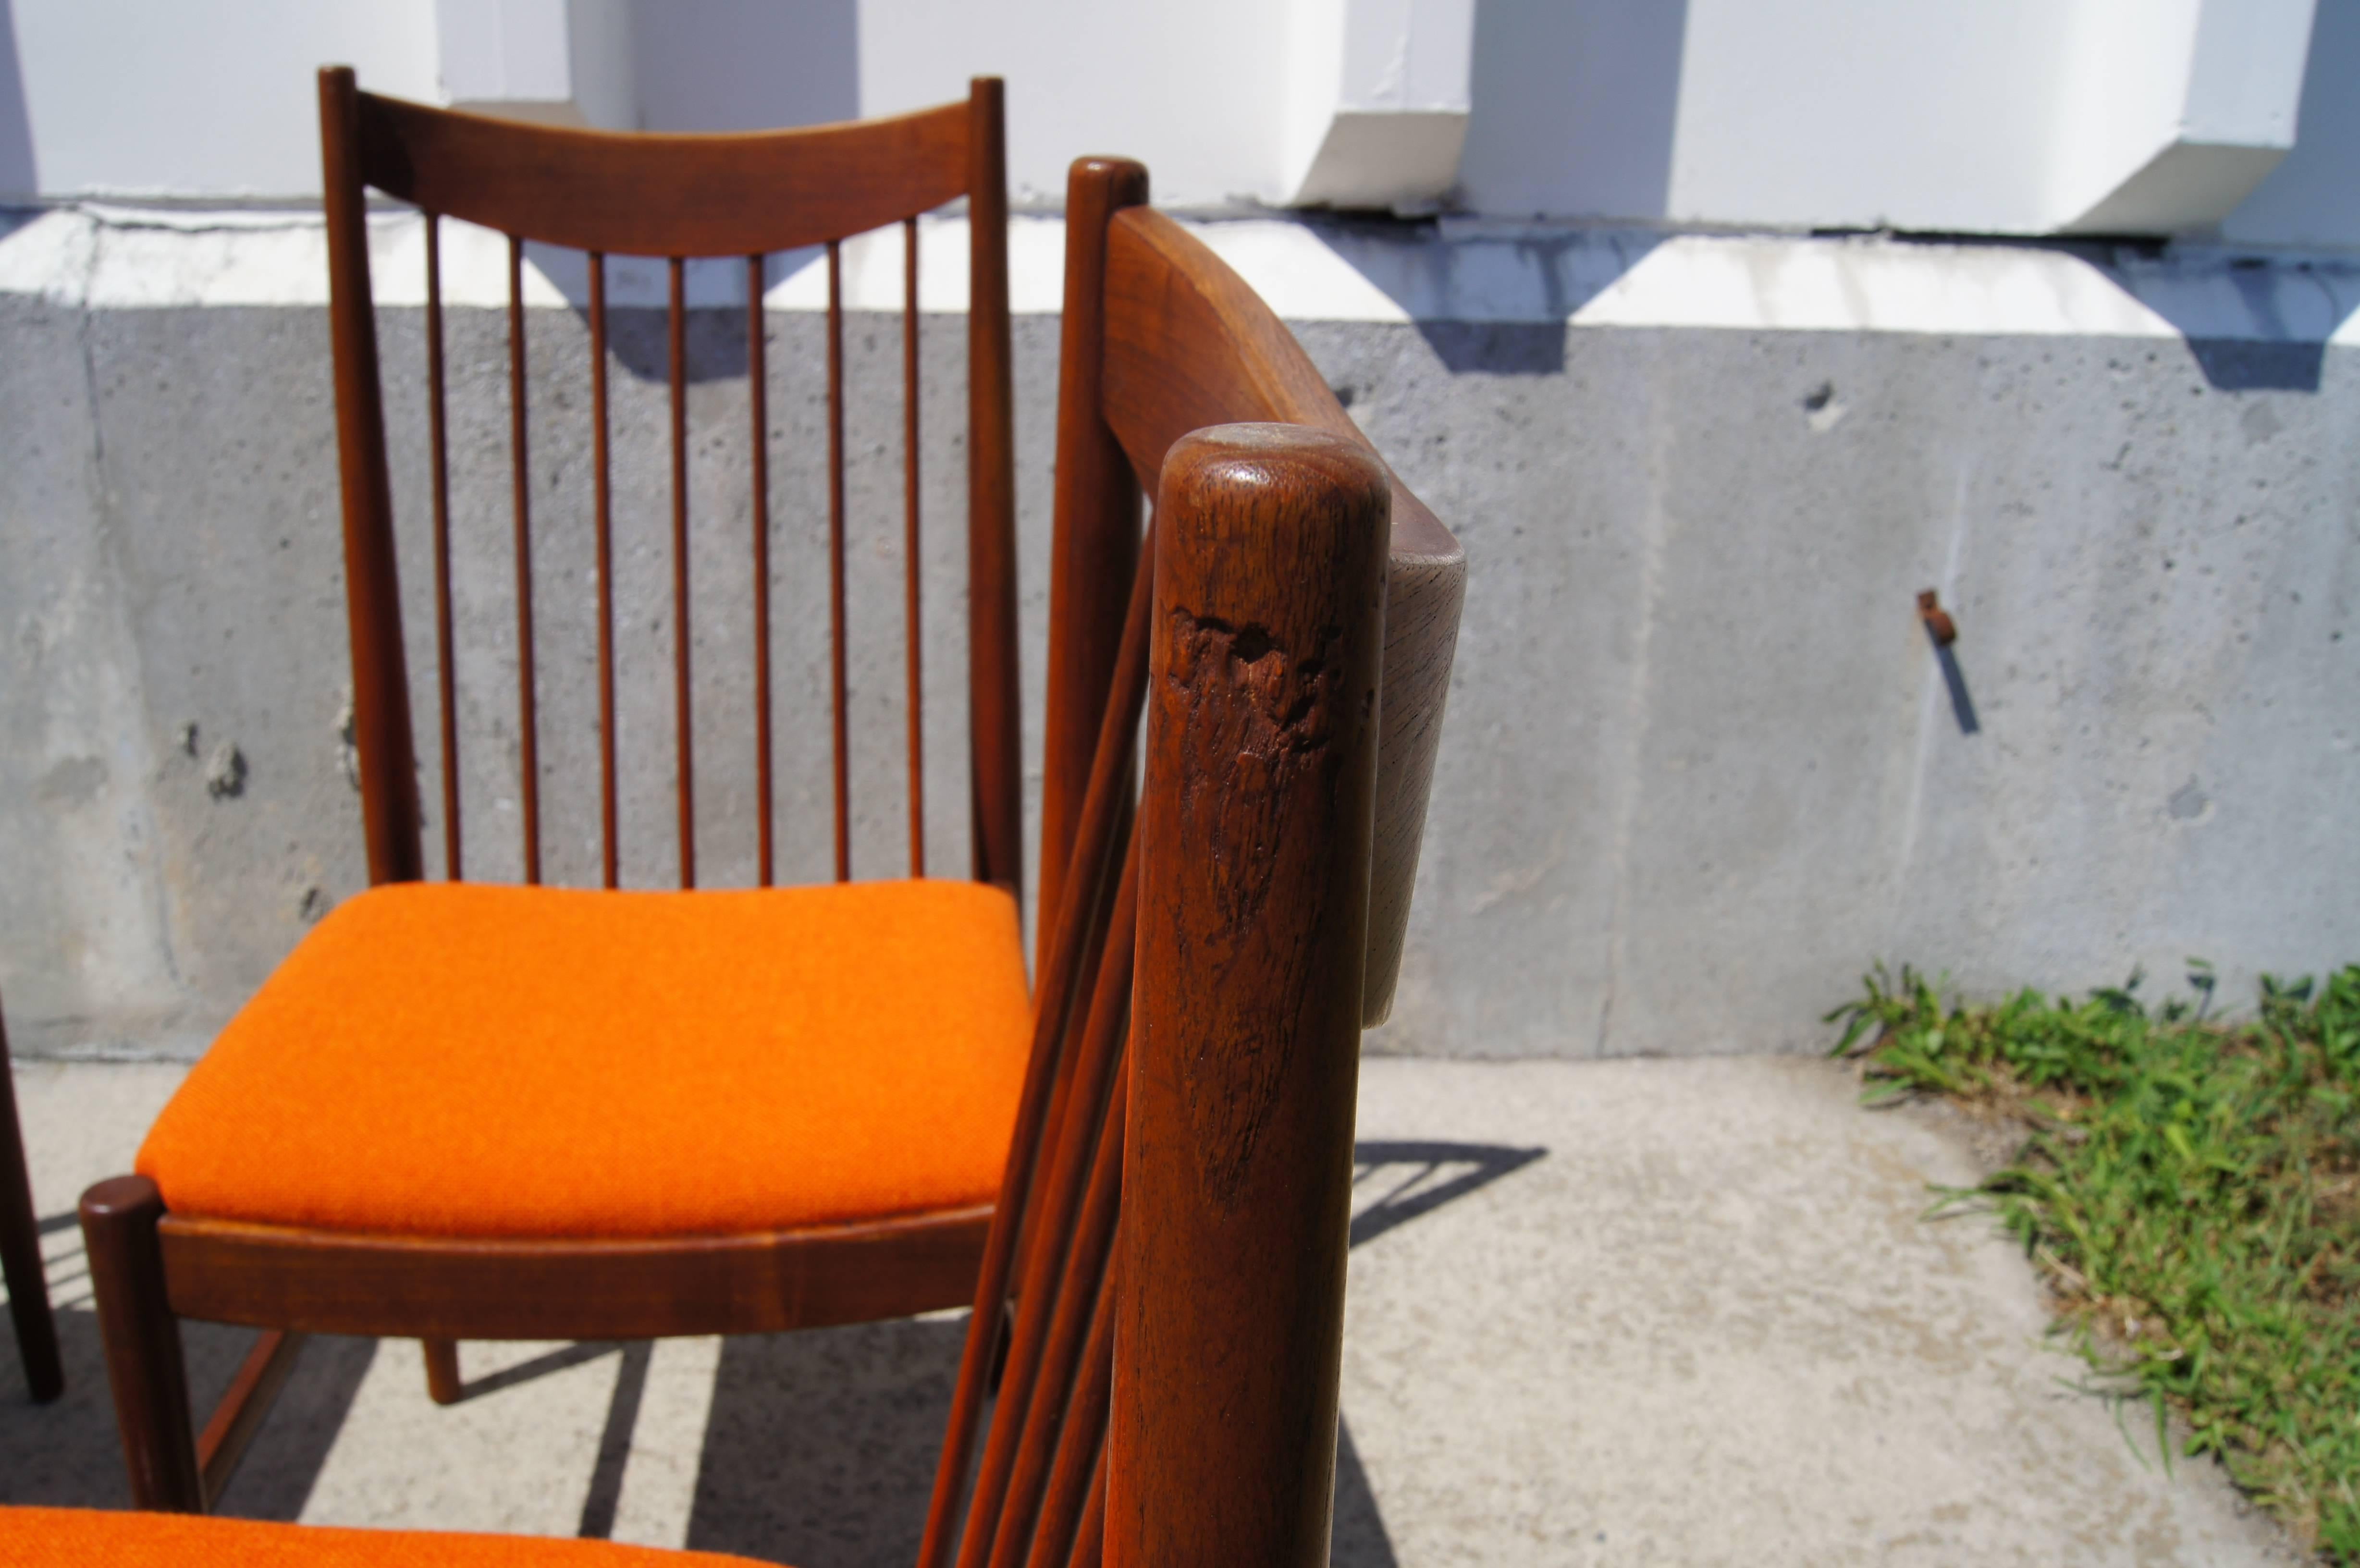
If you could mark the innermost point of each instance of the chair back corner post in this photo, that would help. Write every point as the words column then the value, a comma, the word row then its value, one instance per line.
column 388, row 780
column 1256, row 821
column 1094, row 547
column 995, row 723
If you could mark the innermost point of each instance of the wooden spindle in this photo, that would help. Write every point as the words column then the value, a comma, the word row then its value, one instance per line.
column 910, row 543
column 1079, row 1291
column 835, row 629
column 1256, row 821
column 758, row 399
column 1082, row 1185
column 1104, row 808
column 438, row 443
column 1082, row 1439
column 1089, row 1536
column 610, row 843
column 683, row 718
column 528, row 723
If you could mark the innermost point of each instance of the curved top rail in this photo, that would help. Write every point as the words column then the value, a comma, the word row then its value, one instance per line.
column 665, row 193
column 1188, row 345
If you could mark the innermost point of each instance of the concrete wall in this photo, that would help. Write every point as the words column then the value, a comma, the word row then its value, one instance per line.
column 1701, row 764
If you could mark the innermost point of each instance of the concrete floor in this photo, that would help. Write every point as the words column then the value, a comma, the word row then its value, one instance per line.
column 1619, row 1311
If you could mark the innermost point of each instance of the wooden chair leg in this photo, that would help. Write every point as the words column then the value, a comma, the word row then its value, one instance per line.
column 443, row 1385
column 21, row 1252
column 142, row 1337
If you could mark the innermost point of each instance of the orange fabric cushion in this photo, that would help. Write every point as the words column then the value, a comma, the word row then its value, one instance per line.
column 78, row 1538
column 475, row 1059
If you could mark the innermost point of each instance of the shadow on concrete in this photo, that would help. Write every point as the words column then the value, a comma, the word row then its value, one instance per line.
column 1962, row 701
column 2251, row 323
column 1489, row 301
column 820, row 1446
column 615, row 1442
column 1493, row 298
column 542, row 1366
column 67, row 1454
column 1360, row 1539
column 1393, row 1183
column 2232, row 364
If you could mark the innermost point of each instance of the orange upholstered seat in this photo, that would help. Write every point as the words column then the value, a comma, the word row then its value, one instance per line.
column 78, row 1538
column 473, row 1060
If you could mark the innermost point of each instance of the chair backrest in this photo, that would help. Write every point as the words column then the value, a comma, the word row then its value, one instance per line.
column 1160, row 1299
column 678, row 198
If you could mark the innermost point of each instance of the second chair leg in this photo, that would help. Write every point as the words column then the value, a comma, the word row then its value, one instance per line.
column 142, row 1337
column 442, row 1384
column 21, row 1253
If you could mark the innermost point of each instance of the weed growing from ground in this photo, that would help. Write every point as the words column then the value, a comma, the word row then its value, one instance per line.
column 2191, row 1189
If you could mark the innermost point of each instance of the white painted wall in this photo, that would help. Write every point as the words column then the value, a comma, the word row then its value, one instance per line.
column 1917, row 114
column 193, row 97
column 1185, row 87
column 2007, row 117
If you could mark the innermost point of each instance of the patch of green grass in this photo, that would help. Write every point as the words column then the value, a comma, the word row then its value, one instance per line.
column 2191, row 1188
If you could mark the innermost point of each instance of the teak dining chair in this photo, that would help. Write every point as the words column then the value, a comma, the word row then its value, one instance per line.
column 20, row 1251
column 1168, row 1245
column 460, row 1109
column 1238, row 927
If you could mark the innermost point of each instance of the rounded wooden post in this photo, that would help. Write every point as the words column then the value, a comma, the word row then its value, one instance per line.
column 994, row 711
column 21, row 1252
column 443, row 1384
column 143, row 1344
column 388, row 773
column 1262, row 747
column 1094, row 548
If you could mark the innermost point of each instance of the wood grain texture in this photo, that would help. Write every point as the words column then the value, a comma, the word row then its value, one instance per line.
column 648, row 193
column 1094, row 548
column 327, row 1282
column 388, row 767
column 1262, row 754
column 1189, row 344
column 21, row 1252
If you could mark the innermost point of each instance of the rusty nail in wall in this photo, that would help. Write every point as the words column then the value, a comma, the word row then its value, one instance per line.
column 1938, row 620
